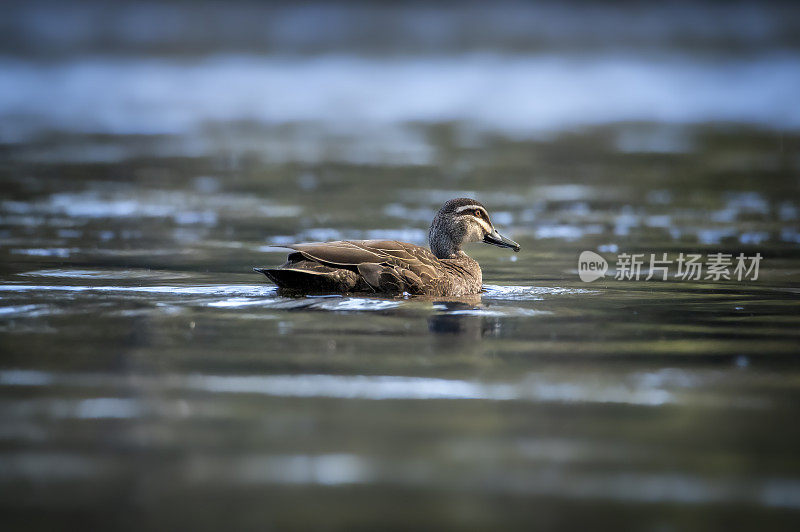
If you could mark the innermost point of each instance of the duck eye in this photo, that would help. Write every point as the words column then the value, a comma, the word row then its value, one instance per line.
column 478, row 213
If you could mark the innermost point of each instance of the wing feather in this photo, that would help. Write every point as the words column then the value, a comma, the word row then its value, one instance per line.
column 384, row 265
column 354, row 252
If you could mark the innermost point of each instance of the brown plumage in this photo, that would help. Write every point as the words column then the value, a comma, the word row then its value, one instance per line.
column 392, row 267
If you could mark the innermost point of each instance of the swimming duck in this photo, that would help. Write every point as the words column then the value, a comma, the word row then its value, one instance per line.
column 392, row 267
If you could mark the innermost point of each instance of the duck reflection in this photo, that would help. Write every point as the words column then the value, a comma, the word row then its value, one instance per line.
column 463, row 319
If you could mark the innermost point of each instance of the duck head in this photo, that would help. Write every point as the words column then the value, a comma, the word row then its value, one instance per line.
column 460, row 221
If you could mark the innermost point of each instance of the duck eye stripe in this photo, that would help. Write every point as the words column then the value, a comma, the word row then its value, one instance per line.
column 468, row 208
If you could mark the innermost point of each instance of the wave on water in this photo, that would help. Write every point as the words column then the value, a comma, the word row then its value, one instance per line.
column 529, row 293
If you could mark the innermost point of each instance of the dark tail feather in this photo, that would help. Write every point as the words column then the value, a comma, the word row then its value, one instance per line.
column 265, row 271
column 299, row 279
column 275, row 276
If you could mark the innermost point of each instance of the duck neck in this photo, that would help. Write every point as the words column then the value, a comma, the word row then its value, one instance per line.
column 442, row 246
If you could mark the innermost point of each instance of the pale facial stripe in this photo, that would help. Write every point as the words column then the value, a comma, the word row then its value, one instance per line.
column 469, row 207
column 481, row 221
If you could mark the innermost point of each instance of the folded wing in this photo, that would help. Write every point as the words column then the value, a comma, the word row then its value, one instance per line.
column 358, row 265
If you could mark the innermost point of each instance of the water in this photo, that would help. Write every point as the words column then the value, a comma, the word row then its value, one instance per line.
column 519, row 93
column 150, row 379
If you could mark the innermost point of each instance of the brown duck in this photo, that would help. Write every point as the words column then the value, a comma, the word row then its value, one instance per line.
column 392, row 267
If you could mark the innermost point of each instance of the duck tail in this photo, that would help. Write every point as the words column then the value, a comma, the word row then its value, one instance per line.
column 296, row 279
column 274, row 276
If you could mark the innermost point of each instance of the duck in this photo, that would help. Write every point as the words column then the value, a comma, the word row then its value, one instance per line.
column 396, row 268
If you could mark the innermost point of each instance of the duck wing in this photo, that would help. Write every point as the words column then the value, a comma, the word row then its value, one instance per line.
column 385, row 265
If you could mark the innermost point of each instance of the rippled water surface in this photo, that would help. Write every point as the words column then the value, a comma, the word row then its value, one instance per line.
column 149, row 378
column 145, row 367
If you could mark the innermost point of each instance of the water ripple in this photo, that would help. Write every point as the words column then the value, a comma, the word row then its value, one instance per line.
column 529, row 293
column 239, row 289
column 532, row 388
column 106, row 274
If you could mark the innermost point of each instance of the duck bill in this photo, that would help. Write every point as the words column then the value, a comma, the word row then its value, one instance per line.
column 496, row 239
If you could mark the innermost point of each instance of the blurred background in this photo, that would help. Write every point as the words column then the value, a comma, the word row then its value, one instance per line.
column 151, row 151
